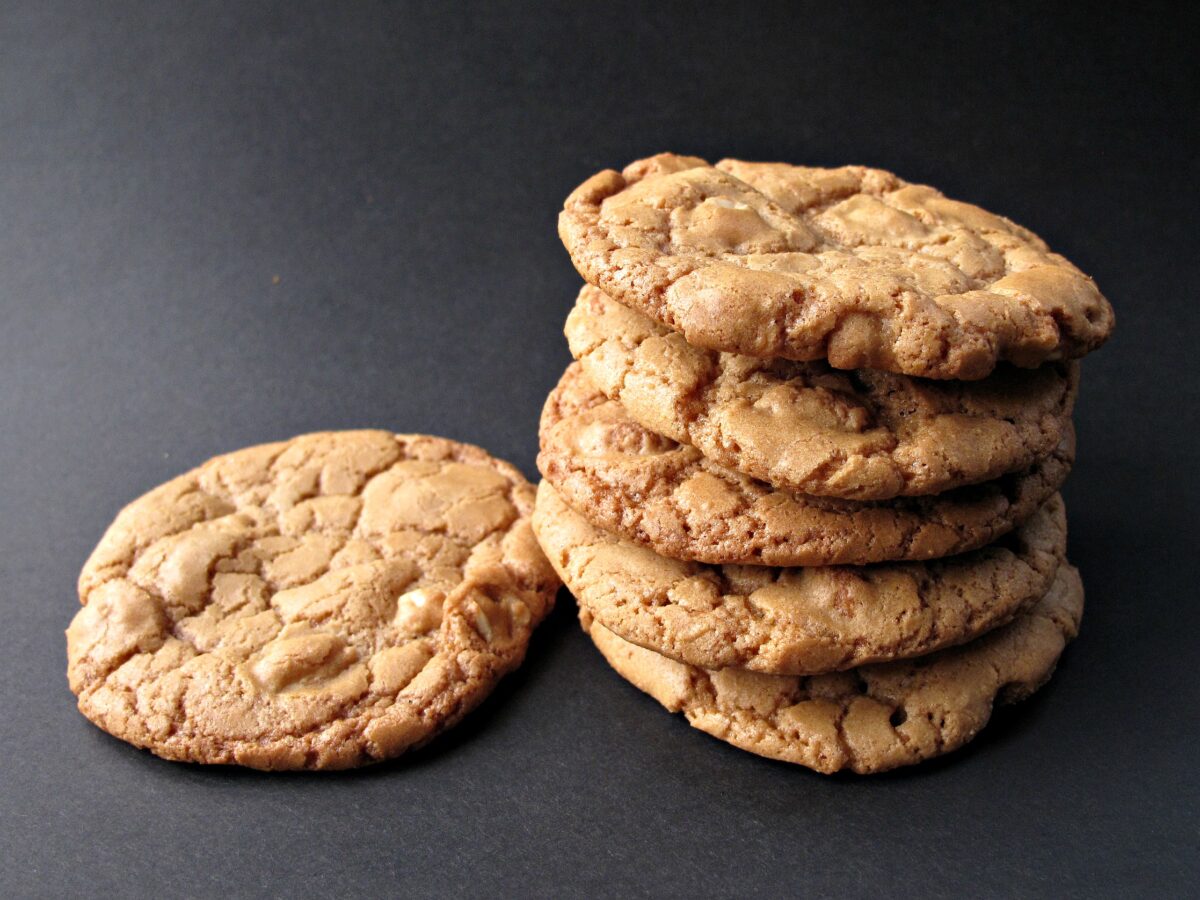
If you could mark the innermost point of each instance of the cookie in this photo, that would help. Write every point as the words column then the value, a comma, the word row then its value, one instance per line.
column 667, row 497
column 797, row 621
column 323, row 602
column 870, row 719
column 853, row 265
column 807, row 428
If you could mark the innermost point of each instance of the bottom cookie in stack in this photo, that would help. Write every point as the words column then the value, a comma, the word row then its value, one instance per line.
column 758, row 656
column 869, row 719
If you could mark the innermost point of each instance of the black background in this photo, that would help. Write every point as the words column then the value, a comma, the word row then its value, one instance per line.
column 227, row 224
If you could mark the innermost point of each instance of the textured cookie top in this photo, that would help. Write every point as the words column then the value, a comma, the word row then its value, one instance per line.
column 321, row 602
column 797, row 621
column 808, row 428
column 852, row 265
column 667, row 496
column 869, row 719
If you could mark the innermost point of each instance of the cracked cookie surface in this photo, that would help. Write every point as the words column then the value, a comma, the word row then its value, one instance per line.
column 805, row 427
column 870, row 719
column 803, row 620
column 852, row 265
column 323, row 602
column 668, row 497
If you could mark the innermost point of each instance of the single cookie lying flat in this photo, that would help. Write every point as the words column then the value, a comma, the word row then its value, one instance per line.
column 869, row 719
column 814, row 430
column 666, row 496
column 323, row 602
column 797, row 621
column 850, row 264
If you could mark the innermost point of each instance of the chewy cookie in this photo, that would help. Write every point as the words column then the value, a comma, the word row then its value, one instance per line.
column 807, row 428
column 666, row 496
column 797, row 621
column 853, row 265
column 324, row 602
column 869, row 719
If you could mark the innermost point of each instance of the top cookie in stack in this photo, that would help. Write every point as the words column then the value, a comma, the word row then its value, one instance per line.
column 781, row 366
column 852, row 265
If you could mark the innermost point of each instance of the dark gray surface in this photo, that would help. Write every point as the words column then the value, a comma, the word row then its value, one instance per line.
column 398, row 168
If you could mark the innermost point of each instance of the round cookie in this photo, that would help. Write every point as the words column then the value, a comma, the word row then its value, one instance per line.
column 323, row 602
column 666, row 496
column 870, row 719
column 797, row 621
column 814, row 430
column 852, row 265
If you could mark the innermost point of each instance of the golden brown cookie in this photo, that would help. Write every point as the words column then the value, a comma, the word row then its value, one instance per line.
column 323, row 602
column 667, row 497
column 870, row 719
column 797, row 621
column 814, row 430
column 852, row 265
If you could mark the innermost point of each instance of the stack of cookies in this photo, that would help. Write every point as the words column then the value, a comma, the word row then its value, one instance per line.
column 803, row 475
